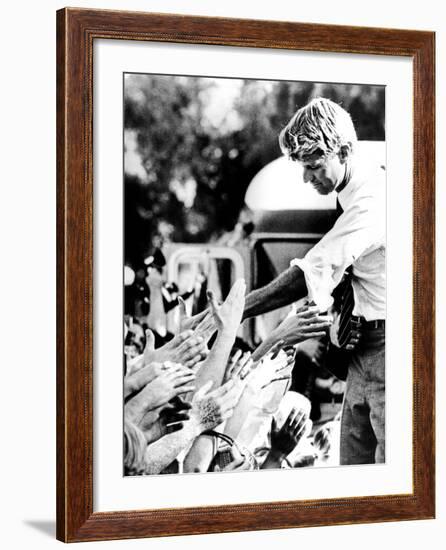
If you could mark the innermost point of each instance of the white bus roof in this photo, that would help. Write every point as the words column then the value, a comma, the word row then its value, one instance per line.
column 279, row 185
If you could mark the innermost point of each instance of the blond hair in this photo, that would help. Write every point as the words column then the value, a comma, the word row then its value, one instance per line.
column 320, row 128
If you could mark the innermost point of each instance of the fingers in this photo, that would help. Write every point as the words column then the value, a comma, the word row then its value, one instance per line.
column 170, row 414
column 180, row 375
column 233, row 362
column 205, row 325
column 174, row 427
column 193, row 346
column 197, row 359
column 201, row 393
column 199, row 317
column 299, row 424
column 177, row 417
column 150, row 343
column 314, row 327
column 222, row 390
column 294, row 418
column 230, row 399
column 275, row 349
column 354, row 340
column 302, row 309
column 183, row 380
column 178, row 403
column 188, row 348
column 285, row 370
column 237, row 291
column 283, row 361
column 246, row 369
column 171, row 367
column 307, row 312
column 278, row 379
column 274, row 428
column 295, row 424
column 311, row 311
column 213, row 304
column 291, row 355
column 182, row 390
column 179, row 339
column 290, row 419
column 318, row 334
column 225, row 414
column 243, row 366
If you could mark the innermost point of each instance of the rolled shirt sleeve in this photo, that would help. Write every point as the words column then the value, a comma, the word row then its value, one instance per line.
column 356, row 237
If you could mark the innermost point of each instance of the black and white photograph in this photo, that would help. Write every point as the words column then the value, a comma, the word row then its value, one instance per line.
column 223, row 254
column 254, row 274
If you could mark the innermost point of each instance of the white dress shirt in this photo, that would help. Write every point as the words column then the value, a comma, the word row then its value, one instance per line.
column 358, row 238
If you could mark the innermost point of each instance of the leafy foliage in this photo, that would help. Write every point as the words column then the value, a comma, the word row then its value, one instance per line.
column 192, row 146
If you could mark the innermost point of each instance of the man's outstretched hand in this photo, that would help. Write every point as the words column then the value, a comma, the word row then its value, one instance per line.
column 306, row 323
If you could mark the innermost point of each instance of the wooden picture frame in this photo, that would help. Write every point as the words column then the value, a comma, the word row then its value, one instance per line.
column 76, row 31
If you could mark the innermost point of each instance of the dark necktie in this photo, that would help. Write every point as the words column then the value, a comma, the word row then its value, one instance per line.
column 339, row 209
column 344, row 299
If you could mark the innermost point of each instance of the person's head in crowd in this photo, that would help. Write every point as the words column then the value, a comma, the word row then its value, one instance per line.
column 129, row 275
column 326, row 442
column 135, row 339
column 321, row 136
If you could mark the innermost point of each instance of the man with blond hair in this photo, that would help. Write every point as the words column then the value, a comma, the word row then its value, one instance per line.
column 322, row 138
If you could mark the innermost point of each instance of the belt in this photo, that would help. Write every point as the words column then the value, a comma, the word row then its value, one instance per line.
column 370, row 325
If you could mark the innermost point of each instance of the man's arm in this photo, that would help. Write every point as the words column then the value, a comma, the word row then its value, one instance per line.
column 285, row 289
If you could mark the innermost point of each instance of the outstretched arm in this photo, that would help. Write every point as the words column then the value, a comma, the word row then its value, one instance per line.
column 285, row 289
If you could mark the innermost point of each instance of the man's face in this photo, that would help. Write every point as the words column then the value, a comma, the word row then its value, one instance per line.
column 323, row 173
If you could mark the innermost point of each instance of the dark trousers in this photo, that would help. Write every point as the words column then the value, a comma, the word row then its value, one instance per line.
column 363, row 410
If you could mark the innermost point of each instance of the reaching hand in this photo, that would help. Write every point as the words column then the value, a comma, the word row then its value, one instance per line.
column 171, row 382
column 271, row 368
column 185, row 348
column 154, row 279
column 239, row 366
column 228, row 316
column 285, row 439
column 206, row 327
column 137, row 379
column 170, row 419
column 306, row 323
column 209, row 409
column 188, row 322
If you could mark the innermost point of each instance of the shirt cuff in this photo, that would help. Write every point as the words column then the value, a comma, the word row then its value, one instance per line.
column 318, row 283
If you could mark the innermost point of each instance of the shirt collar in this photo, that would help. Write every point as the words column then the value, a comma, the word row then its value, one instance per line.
column 346, row 188
column 347, row 177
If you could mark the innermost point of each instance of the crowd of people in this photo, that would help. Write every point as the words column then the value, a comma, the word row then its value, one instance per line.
column 202, row 400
